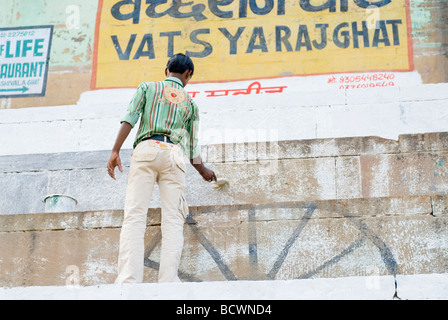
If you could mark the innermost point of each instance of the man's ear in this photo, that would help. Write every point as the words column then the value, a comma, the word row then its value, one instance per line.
column 187, row 74
column 166, row 72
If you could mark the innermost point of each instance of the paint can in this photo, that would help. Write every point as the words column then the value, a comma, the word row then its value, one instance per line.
column 60, row 203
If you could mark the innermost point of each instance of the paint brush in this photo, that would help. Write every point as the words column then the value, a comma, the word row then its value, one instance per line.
column 219, row 183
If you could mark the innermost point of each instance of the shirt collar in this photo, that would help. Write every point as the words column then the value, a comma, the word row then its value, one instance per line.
column 174, row 79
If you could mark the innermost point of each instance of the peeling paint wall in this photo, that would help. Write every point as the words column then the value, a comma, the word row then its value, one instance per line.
column 74, row 23
column 430, row 38
column 72, row 52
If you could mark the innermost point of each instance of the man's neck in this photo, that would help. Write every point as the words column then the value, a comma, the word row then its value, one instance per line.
column 176, row 75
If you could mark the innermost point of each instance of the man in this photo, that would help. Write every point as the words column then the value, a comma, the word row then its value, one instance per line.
column 168, row 119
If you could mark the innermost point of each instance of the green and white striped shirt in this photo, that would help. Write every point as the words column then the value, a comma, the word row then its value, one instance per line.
column 165, row 108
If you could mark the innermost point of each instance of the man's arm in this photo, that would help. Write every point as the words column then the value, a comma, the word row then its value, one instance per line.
column 114, row 159
column 207, row 174
column 194, row 149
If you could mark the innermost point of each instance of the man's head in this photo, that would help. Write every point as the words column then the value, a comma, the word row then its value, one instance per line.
column 180, row 66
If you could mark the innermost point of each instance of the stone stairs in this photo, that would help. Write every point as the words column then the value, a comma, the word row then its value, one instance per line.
column 299, row 209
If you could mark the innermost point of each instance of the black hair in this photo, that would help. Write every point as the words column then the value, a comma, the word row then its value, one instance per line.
column 179, row 63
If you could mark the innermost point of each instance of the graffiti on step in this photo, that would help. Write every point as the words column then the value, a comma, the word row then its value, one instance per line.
column 366, row 235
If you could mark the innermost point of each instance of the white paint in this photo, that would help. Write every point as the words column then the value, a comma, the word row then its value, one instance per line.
column 5, row 103
column 412, row 287
column 380, row 179
column 309, row 108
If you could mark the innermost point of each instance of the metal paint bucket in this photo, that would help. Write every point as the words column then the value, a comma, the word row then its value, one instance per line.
column 60, row 203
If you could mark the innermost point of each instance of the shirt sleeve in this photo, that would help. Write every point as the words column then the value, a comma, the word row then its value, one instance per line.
column 193, row 131
column 136, row 106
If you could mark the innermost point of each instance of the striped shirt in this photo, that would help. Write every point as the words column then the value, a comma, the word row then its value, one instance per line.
column 165, row 108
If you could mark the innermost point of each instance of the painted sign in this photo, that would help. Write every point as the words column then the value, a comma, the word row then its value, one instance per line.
column 253, row 88
column 363, row 81
column 24, row 58
column 249, row 39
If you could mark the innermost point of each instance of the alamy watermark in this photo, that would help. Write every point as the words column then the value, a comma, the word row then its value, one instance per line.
column 249, row 146
column 73, row 20
column 73, row 276
column 373, row 17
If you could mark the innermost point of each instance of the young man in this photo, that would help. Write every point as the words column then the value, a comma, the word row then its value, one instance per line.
column 168, row 119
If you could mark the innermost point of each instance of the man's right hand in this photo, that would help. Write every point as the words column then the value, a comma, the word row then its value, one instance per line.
column 114, row 161
column 207, row 174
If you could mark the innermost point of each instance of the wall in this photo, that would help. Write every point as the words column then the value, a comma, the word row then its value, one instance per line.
column 257, row 41
column 331, row 174
column 74, row 55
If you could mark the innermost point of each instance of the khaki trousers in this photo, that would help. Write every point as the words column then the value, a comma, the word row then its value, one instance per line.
column 162, row 163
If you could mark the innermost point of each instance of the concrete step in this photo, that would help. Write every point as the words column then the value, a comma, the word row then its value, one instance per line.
column 259, row 173
column 409, row 287
column 277, row 241
column 93, row 123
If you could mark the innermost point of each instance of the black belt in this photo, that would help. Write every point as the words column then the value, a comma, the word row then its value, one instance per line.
column 158, row 138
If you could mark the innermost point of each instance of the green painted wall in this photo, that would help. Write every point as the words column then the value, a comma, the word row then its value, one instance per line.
column 74, row 26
